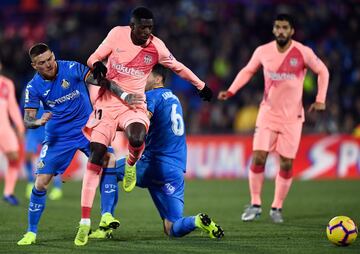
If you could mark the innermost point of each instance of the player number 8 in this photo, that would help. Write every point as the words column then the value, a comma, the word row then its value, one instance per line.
column 177, row 122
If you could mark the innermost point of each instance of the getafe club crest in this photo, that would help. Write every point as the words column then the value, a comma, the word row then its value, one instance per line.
column 65, row 84
column 40, row 164
column 293, row 62
column 147, row 59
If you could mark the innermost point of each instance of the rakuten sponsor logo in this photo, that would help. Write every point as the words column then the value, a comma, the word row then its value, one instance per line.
column 281, row 76
column 120, row 68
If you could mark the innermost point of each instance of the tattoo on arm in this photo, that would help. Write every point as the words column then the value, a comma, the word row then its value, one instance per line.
column 109, row 84
column 30, row 119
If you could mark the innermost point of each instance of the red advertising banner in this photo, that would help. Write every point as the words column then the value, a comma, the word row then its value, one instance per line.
column 319, row 156
column 229, row 156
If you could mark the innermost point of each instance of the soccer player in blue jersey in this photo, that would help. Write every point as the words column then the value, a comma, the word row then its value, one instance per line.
column 61, row 87
column 33, row 141
column 161, row 168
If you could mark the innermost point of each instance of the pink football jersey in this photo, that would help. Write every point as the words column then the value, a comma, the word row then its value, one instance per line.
column 129, row 65
column 284, row 75
column 9, row 107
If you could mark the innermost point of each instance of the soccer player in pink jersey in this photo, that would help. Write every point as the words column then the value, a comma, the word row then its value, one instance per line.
column 130, row 52
column 10, row 137
column 281, row 115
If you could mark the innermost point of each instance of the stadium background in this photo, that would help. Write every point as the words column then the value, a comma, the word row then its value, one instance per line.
column 215, row 39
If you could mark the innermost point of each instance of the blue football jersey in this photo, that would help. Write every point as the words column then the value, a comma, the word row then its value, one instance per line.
column 166, row 141
column 66, row 97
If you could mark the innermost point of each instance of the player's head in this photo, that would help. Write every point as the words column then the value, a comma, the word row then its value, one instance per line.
column 156, row 78
column 43, row 60
column 283, row 29
column 141, row 23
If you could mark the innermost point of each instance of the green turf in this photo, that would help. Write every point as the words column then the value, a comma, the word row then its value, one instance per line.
column 308, row 209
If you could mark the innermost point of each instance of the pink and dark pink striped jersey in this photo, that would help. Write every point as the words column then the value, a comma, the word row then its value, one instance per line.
column 129, row 65
column 9, row 108
column 284, row 75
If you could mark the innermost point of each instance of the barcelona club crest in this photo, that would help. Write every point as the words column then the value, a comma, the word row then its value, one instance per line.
column 65, row 84
column 147, row 59
column 293, row 62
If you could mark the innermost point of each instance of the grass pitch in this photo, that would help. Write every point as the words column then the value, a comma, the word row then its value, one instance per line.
column 308, row 209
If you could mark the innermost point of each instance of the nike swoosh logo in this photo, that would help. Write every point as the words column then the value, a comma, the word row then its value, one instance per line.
column 46, row 92
column 71, row 65
column 110, row 191
column 34, row 210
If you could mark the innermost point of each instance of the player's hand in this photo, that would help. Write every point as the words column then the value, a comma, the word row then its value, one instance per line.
column 103, row 82
column 99, row 70
column 44, row 118
column 206, row 93
column 224, row 95
column 317, row 106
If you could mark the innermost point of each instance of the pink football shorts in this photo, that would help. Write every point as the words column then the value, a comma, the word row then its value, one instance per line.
column 282, row 138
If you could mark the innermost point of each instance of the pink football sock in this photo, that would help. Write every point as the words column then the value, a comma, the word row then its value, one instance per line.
column 134, row 154
column 282, row 186
column 11, row 178
column 89, row 185
column 256, row 180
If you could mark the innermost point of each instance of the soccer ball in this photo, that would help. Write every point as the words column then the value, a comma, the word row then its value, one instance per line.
column 341, row 231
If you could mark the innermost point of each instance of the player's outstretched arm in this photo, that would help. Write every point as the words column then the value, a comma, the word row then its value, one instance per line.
column 30, row 120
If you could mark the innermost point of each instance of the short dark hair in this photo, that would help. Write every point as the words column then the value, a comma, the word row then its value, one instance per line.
column 38, row 49
column 160, row 70
column 286, row 17
column 142, row 13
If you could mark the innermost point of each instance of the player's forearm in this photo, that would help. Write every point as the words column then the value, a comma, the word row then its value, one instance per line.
column 323, row 83
column 241, row 79
column 188, row 75
column 31, row 122
column 109, row 84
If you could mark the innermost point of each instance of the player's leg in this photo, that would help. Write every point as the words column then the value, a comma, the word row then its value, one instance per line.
column 287, row 146
column 113, row 172
column 11, row 177
column 101, row 129
column 263, row 142
column 36, row 207
column 54, row 158
column 135, row 133
column 169, row 200
column 283, row 183
column 10, row 146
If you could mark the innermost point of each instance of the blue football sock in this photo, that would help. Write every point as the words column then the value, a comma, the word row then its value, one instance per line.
column 29, row 171
column 109, row 193
column 183, row 226
column 57, row 182
column 36, row 208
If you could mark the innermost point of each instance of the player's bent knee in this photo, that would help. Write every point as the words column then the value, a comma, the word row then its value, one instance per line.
column 98, row 152
column 286, row 164
column 259, row 158
column 136, row 141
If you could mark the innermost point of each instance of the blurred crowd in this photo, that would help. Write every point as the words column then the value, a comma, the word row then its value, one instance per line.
column 213, row 38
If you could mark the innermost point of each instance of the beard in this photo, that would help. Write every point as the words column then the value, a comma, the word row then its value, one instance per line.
column 282, row 41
